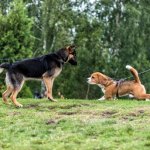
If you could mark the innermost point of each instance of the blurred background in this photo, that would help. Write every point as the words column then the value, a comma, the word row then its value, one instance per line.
column 108, row 34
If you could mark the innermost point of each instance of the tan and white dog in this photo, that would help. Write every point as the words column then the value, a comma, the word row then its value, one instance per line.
column 113, row 89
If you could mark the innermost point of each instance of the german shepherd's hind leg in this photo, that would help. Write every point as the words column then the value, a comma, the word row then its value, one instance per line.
column 15, row 92
column 6, row 94
column 14, row 96
column 49, row 87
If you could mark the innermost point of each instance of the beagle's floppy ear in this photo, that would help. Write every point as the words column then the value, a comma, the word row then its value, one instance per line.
column 102, row 80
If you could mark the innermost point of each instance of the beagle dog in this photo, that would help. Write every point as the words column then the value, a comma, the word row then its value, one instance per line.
column 113, row 89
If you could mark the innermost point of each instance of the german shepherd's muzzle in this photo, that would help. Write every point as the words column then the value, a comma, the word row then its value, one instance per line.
column 46, row 68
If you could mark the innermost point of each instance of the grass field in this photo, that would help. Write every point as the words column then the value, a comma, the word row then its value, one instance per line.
column 75, row 125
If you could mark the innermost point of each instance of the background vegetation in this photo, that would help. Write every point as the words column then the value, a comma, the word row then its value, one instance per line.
column 109, row 34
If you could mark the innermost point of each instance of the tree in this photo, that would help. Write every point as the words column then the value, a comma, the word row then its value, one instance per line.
column 16, row 40
column 125, row 35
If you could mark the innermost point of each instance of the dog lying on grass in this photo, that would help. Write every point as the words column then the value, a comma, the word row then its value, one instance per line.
column 113, row 89
column 46, row 68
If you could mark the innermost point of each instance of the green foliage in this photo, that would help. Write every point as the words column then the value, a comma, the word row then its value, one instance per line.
column 26, row 92
column 16, row 38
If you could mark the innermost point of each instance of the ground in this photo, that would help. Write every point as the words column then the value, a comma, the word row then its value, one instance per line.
column 75, row 125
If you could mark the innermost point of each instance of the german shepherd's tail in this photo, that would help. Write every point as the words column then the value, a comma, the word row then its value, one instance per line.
column 134, row 73
column 4, row 66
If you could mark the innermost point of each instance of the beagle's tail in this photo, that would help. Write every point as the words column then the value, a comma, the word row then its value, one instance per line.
column 134, row 73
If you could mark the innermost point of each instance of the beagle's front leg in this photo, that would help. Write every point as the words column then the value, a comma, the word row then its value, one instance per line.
column 102, row 98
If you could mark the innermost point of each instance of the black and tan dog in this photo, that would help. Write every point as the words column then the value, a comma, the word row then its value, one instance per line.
column 46, row 68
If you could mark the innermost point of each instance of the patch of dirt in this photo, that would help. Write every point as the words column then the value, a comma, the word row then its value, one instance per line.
column 86, row 105
column 136, row 113
column 108, row 114
column 14, row 113
column 52, row 107
column 35, row 106
column 51, row 122
column 64, row 106
column 131, row 115
column 67, row 113
column 125, row 118
column 141, row 111
column 32, row 106
column 69, row 106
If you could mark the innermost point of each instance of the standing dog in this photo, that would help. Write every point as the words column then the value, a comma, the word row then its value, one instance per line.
column 46, row 68
column 113, row 89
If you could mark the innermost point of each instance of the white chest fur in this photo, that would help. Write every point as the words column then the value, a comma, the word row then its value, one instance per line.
column 102, row 87
column 57, row 72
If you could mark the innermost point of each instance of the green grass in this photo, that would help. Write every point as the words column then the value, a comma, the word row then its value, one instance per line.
column 75, row 125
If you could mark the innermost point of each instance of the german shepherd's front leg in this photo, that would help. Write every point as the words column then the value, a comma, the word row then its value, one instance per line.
column 49, row 87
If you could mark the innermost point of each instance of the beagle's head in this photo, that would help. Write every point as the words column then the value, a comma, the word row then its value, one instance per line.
column 98, row 78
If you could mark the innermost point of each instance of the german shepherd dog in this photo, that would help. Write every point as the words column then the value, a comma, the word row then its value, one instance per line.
column 46, row 68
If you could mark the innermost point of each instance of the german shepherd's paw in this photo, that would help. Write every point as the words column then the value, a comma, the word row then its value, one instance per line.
column 52, row 99
column 19, row 105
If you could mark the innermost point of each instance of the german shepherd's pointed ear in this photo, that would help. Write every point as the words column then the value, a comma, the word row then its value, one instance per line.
column 71, row 48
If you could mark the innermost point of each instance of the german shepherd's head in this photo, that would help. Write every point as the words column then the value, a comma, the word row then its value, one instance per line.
column 68, row 54
column 72, row 55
